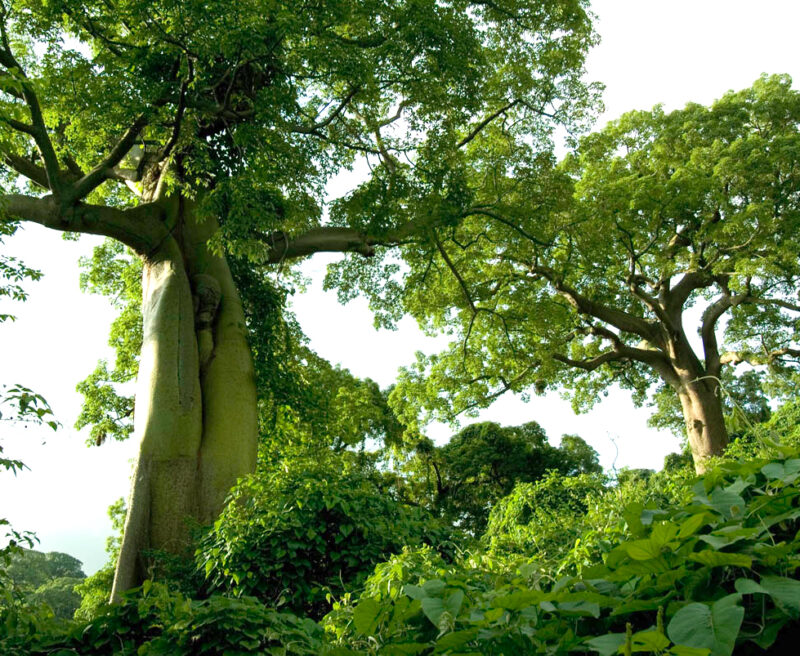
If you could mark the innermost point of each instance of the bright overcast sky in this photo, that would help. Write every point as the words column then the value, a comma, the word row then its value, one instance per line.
column 651, row 52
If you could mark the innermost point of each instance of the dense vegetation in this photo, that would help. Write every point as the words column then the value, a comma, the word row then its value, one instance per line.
column 661, row 563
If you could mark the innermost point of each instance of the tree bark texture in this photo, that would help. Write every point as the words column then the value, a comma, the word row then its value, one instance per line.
column 196, row 413
column 705, row 423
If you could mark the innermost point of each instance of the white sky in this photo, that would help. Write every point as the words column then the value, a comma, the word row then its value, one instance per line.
column 652, row 51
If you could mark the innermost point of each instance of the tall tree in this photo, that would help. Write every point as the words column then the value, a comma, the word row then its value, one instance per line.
column 594, row 271
column 194, row 131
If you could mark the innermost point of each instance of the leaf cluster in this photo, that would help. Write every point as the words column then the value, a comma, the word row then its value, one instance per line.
column 704, row 577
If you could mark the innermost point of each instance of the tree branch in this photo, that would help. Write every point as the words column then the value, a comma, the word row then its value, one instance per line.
column 140, row 227
column 26, row 168
column 479, row 127
column 481, row 211
column 619, row 319
column 676, row 297
column 37, row 129
column 312, row 129
column 105, row 169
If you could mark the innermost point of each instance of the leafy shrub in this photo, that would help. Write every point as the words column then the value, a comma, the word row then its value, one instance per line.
column 712, row 575
column 154, row 621
column 543, row 518
column 306, row 529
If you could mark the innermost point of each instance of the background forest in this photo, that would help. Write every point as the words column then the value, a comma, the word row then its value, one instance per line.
column 279, row 503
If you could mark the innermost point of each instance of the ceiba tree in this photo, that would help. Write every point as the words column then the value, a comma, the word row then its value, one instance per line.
column 595, row 271
column 194, row 131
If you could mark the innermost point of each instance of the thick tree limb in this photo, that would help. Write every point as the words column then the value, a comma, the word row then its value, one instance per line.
column 326, row 239
column 25, row 167
column 140, row 228
column 621, row 320
column 676, row 297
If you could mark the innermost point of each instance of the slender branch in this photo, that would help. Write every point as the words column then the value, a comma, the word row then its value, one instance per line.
column 37, row 129
column 105, row 169
column 479, row 127
column 592, row 363
column 312, row 129
column 500, row 219
column 457, row 275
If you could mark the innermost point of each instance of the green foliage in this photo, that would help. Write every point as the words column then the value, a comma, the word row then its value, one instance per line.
column 95, row 590
column 706, row 576
column 13, row 272
column 45, row 580
column 545, row 518
column 310, row 527
column 463, row 479
column 113, row 271
column 154, row 621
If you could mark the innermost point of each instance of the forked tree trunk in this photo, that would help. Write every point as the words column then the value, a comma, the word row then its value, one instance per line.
column 705, row 423
column 196, row 416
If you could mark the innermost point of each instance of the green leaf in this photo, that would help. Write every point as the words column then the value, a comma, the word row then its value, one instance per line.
column 642, row 549
column 649, row 641
column 785, row 592
column 715, row 628
column 690, row 525
column 727, row 502
column 607, row 645
column 455, row 639
column 712, row 558
column 365, row 616
column 582, row 608
column 434, row 587
column 683, row 650
column 435, row 607
column 748, row 586
column 414, row 591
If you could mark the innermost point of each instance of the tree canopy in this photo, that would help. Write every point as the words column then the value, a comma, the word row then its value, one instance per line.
column 585, row 273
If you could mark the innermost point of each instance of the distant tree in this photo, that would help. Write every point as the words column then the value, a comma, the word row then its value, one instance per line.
column 583, row 275
column 482, row 463
column 47, row 578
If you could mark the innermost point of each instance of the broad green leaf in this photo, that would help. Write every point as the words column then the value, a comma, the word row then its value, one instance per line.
column 691, row 524
column 455, row 639
column 434, row 587
column 785, row 592
column 414, row 591
column 366, row 615
column 643, row 549
column 712, row 558
column 748, row 586
column 727, row 502
column 649, row 641
column 607, row 645
column 584, row 608
column 714, row 627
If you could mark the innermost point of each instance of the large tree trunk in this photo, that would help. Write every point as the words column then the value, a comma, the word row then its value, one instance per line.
column 705, row 423
column 196, row 415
